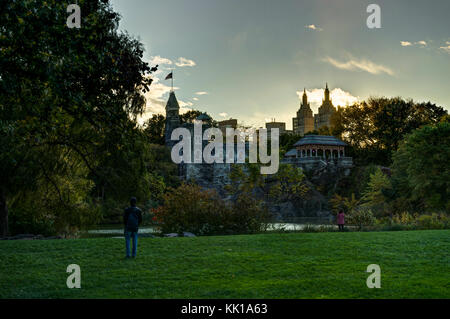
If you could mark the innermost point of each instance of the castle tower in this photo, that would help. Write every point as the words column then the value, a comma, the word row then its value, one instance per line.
column 304, row 122
column 172, row 118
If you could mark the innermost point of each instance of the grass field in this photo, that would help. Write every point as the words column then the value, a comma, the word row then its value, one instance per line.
column 414, row 264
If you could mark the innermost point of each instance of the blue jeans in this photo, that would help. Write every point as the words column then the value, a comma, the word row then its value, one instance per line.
column 134, row 236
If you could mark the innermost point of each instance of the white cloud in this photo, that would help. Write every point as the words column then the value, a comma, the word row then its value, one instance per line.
column 159, row 60
column 338, row 96
column 157, row 99
column 446, row 48
column 223, row 114
column 159, row 91
column 313, row 27
column 422, row 43
column 359, row 65
column 182, row 62
column 201, row 93
column 185, row 104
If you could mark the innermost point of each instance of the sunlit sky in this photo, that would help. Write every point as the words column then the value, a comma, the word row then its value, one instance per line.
column 250, row 59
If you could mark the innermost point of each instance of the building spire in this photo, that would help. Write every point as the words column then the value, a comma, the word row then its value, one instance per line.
column 305, row 97
column 327, row 93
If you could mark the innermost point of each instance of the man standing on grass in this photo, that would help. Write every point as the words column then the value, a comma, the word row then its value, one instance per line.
column 132, row 218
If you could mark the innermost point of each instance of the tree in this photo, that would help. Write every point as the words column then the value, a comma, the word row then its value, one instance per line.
column 191, row 115
column 375, row 127
column 373, row 196
column 421, row 172
column 347, row 204
column 336, row 126
column 64, row 93
column 154, row 129
column 288, row 184
column 287, row 142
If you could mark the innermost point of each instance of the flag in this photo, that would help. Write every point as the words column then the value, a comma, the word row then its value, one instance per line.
column 169, row 76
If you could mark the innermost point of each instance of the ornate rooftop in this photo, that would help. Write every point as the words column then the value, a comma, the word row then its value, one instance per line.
column 320, row 140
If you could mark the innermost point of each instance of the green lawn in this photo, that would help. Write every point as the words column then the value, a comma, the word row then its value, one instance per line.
column 414, row 264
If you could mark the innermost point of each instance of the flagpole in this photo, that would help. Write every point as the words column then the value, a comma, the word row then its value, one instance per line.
column 172, row 80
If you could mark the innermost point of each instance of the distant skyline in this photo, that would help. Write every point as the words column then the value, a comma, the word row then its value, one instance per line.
column 251, row 59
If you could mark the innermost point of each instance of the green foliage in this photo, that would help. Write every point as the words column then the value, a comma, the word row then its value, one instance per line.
column 375, row 127
column 347, row 204
column 373, row 196
column 69, row 98
column 288, row 184
column 421, row 221
column 360, row 216
column 191, row 115
column 421, row 174
column 56, row 207
column 154, row 129
column 202, row 212
column 287, row 142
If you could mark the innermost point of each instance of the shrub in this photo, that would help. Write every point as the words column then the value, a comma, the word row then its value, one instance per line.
column 190, row 208
column 434, row 221
column 361, row 216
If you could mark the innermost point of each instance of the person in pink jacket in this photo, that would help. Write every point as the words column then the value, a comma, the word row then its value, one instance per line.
column 341, row 220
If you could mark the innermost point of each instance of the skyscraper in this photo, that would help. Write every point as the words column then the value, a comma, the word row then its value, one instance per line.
column 326, row 110
column 304, row 122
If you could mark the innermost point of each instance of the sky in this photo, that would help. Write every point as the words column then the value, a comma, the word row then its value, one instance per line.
column 251, row 59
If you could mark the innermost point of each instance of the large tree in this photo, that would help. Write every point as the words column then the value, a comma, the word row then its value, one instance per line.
column 375, row 127
column 64, row 92
column 421, row 174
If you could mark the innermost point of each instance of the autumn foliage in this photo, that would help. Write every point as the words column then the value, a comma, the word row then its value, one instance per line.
column 189, row 208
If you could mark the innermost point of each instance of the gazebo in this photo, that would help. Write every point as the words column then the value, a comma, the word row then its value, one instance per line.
column 320, row 146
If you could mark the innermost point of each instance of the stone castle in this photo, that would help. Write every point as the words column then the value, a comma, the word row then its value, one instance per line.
column 306, row 122
column 324, row 156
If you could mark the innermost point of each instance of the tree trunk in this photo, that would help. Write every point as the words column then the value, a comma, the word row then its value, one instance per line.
column 3, row 214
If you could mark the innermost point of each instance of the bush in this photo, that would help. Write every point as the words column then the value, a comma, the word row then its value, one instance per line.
column 433, row 221
column 361, row 216
column 407, row 221
column 50, row 211
column 189, row 208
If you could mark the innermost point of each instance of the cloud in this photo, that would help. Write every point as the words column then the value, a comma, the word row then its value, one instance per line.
column 156, row 100
column 185, row 104
column 446, row 48
column 201, row 93
column 422, row 43
column 313, row 27
column 159, row 60
column 195, row 98
column 338, row 96
column 182, row 62
column 359, row 65
column 223, row 114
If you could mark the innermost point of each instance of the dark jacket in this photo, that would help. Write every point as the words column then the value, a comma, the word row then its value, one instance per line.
column 127, row 213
